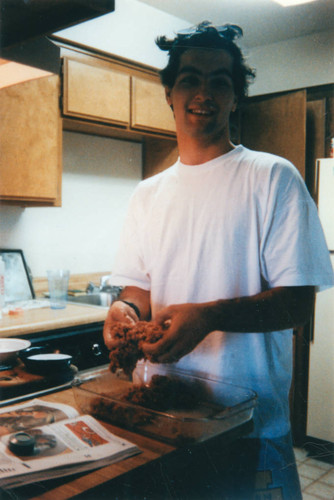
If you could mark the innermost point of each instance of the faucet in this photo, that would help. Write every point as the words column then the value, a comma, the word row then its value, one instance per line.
column 104, row 287
column 104, row 283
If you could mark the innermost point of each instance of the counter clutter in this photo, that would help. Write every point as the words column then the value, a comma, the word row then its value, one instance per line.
column 75, row 331
column 163, row 465
column 70, row 486
column 157, row 471
column 42, row 440
column 45, row 319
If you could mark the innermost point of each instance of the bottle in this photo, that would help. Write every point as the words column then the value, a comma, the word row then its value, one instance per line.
column 2, row 285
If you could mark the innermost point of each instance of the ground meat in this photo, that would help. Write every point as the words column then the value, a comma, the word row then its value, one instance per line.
column 118, row 414
column 130, row 339
column 163, row 393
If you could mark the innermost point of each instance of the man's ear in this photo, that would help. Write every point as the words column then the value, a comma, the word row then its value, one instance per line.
column 235, row 105
column 168, row 93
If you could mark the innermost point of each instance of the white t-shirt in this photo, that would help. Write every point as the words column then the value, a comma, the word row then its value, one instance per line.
column 232, row 227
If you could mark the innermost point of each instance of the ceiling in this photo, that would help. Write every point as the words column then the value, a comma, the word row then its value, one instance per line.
column 263, row 21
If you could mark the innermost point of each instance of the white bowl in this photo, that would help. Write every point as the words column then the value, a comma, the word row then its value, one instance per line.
column 9, row 348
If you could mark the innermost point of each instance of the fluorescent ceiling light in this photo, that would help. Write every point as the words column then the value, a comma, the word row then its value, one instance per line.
column 290, row 3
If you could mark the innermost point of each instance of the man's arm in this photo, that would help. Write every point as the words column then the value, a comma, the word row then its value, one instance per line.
column 276, row 309
column 123, row 312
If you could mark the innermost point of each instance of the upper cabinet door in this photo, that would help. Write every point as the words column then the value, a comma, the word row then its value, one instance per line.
column 96, row 93
column 277, row 125
column 150, row 110
column 31, row 142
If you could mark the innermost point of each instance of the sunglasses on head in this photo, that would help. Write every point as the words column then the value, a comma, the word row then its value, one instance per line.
column 227, row 31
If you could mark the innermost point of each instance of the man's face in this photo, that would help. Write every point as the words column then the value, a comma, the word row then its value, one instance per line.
column 203, row 95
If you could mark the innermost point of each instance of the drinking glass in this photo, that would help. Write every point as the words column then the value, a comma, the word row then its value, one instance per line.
column 58, row 287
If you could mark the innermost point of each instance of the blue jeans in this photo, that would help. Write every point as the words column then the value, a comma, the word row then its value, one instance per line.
column 263, row 469
column 245, row 469
column 276, row 475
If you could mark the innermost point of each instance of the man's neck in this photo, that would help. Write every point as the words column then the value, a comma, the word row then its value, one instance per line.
column 195, row 152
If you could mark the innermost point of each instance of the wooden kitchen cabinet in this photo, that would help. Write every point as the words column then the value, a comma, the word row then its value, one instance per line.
column 277, row 125
column 149, row 110
column 96, row 93
column 31, row 142
column 125, row 98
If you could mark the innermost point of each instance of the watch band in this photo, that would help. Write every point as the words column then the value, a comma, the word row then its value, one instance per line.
column 134, row 307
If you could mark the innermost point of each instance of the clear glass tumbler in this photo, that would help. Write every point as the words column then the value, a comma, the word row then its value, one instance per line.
column 58, row 287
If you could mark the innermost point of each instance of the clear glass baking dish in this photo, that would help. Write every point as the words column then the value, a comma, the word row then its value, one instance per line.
column 216, row 406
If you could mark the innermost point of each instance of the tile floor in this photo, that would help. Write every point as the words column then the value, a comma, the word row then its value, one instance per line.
column 316, row 477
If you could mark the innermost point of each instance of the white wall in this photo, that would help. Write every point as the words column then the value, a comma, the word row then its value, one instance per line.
column 297, row 63
column 128, row 32
column 99, row 176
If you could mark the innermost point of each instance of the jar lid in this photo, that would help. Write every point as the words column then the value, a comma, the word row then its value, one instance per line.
column 22, row 443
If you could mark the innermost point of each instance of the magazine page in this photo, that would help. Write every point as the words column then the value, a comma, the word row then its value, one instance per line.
column 62, row 448
column 31, row 414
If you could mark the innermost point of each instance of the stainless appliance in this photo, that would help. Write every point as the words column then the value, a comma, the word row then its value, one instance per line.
column 320, row 412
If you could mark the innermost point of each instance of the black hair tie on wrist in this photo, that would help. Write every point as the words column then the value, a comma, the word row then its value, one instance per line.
column 134, row 307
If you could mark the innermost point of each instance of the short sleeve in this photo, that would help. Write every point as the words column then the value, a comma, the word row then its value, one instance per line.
column 293, row 248
column 129, row 268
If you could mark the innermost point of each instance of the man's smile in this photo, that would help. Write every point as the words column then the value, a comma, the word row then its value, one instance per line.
column 201, row 111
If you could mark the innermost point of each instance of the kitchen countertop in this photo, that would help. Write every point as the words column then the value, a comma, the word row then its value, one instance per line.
column 142, row 475
column 69, row 486
column 44, row 318
column 151, row 472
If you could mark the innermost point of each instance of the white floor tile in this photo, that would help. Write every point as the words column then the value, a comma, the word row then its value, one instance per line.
column 310, row 471
column 329, row 478
column 316, row 477
column 318, row 463
column 300, row 454
column 306, row 496
column 305, row 481
column 321, row 490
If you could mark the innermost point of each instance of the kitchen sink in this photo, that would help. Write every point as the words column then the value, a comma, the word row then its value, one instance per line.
column 102, row 299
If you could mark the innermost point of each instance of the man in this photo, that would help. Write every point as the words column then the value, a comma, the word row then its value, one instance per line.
column 224, row 247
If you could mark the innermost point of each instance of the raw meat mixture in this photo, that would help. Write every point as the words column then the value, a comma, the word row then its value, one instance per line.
column 130, row 339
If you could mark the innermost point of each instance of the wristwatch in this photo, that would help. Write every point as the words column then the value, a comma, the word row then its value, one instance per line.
column 131, row 304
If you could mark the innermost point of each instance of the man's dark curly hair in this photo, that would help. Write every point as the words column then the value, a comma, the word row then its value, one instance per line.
column 205, row 35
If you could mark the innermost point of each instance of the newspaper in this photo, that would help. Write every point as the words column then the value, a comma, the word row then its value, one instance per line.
column 64, row 443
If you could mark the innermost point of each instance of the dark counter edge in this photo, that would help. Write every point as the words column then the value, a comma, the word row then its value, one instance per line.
column 186, row 473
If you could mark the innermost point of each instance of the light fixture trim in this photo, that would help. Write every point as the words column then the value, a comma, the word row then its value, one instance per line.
column 291, row 3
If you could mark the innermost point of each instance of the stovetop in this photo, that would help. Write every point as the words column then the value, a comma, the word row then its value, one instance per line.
column 18, row 384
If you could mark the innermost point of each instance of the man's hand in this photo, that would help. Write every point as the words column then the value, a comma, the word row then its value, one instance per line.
column 118, row 312
column 123, row 313
column 185, row 326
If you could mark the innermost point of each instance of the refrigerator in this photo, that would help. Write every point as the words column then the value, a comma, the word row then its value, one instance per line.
column 320, row 407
